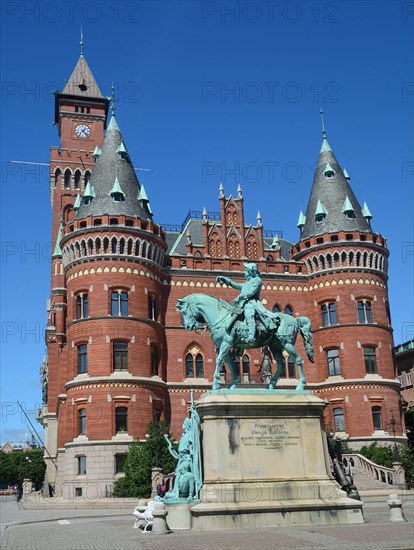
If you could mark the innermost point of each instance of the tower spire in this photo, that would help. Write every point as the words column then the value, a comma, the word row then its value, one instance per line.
column 81, row 41
column 323, row 124
column 112, row 99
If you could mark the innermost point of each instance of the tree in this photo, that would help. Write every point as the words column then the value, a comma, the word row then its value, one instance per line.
column 140, row 459
column 14, row 467
column 409, row 424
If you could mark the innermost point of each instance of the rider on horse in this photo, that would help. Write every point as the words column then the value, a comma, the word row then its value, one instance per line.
column 248, row 301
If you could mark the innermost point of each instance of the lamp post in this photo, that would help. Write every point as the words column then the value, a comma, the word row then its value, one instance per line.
column 393, row 423
column 28, row 462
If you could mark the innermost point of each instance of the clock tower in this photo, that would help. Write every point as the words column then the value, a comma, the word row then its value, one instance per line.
column 80, row 114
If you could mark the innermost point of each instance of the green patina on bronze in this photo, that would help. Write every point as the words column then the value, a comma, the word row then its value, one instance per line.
column 247, row 324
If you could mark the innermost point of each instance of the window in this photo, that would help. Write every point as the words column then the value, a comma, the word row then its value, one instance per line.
column 119, row 463
column 408, row 376
column 400, row 379
column 154, row 361
column 328, row 314
column 364, row 311
column 291, row 368
column 82, row 306
column 81, row 465
column 121, row 419
column 332, row 356
column 78, row 491
column 82, row 421
column 276, row 308
column 82, row 358
column 152, row 308
column 388, row 313
column 377, row 418
column 288, row 310
column 77, row 179
column 67, row 179
column 339, row 420
column 194, row 365
column 119, row 303
column 120, row 356
column 370, row 360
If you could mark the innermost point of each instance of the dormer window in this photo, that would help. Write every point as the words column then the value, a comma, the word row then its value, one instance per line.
column 348, row 209
column 329, row 172
column 118, row 197
column 320, row 212
column 122, row 152
column 116, row 192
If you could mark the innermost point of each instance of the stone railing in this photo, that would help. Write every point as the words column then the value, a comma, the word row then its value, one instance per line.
column 390, row 476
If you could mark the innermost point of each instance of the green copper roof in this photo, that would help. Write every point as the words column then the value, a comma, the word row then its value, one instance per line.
column 121, row 149
column 113, row 125
column 325, row 146
column 320, row 209
column 142, row 195
column 77, row 202
column 301, row 220
column 116, row 188
column 365, row 212
column 329, row 169
column 347, row 206
column 89, row 190
column 347, row 176
column 58, row 250
column 97, row 152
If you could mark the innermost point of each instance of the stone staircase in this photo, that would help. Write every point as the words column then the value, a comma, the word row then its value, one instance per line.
column 371, row 477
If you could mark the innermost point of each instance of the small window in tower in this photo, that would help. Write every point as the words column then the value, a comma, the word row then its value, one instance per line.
column 154, row 361
column 377, row 418
column 82, row 422
column 339, row 420
column 81, row 467
column 276, row 308
column 334, row 238
column 82, row 225
column 363, row 237
column 88, row 109
column 350, row 215
column 152, row 308
column 119, row 303
column 286, row 269
column 76, row 108
column 364, row 311
column 87, row 201
column 319, row 240
column 120, row 356
column 307, row 244
column 97, row 222
column 121, row 419
column 82, row 358
column 119, row 463
column 83, row 87
column 288, row 310
column 67, row 179
column 349, row 236
column 129, row 223
column 328, row 314
column 113, row 221
column 77, row 179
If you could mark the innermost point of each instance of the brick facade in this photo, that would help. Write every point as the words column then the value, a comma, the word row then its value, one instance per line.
column 102, row 260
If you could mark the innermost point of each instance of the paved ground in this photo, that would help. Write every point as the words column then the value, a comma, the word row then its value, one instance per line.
column 72, row 530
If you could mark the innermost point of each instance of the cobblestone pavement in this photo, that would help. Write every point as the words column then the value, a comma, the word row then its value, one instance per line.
column 116, row 533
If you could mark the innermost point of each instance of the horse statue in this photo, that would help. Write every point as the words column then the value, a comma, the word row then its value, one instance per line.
column 227, row 335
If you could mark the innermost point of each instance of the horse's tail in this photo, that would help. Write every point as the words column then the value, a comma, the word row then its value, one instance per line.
column 305, row 330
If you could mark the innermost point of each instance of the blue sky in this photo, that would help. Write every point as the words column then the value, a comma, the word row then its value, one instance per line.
column 208, row 91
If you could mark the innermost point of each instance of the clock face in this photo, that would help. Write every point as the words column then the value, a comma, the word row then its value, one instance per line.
column 82, row 131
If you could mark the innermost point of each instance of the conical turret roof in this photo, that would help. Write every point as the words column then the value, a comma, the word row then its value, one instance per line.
column 82, row 82
column 111, row 167
column 332, row 191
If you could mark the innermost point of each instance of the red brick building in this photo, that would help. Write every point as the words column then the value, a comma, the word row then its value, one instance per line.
column 118, row 355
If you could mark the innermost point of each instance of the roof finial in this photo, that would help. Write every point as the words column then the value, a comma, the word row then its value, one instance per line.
column 112, row 99
column 81, row 41
column 323, row 124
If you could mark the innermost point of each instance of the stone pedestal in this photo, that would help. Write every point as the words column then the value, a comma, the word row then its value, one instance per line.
column 27, row 486
column 179, row 514
column 266, row 463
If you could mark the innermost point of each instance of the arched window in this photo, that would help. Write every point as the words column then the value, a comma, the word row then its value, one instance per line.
column 77, row 179
column 67, row 179
column 86, row 178
column 288, row 310
column 58, row 178
column 276, row 308
column 194, row 365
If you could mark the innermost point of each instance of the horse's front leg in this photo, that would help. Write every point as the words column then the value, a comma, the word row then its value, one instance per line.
column 230, row 364
column 223, row 350
column 280, row 364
